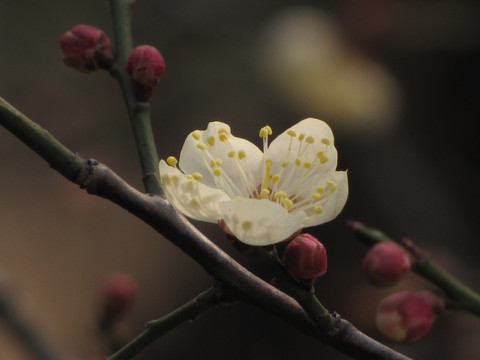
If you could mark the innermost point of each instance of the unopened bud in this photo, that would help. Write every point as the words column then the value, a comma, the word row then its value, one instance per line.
column 145, row 66
column 405, row 317
column 305, row 258
column 86, row 48
column 118, row 294
column 386, row 263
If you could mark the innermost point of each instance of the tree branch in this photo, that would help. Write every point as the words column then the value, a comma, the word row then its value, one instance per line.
column 139, row 113
column 236, row 281
column 463, row 296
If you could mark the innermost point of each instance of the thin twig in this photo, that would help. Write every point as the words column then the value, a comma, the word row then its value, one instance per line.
column 463, row 296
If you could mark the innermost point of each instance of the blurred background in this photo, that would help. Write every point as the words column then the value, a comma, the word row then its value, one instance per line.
column 397, row 81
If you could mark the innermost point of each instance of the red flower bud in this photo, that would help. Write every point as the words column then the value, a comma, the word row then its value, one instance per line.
column 386, row 263
column 405, row 317
column 145, row 66
column 86, row 48
column 118, row 294
column 305, row 258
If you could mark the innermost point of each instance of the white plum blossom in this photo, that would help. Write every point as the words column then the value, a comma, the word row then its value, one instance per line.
column 260, row 197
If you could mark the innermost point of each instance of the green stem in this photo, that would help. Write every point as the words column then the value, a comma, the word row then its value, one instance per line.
column 41, row 141
column 156, row 328
column 305, row 296
column 463, row 296
column 138, row 112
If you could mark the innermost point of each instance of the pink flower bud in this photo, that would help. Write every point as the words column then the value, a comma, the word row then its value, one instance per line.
column 405, row 317
column 386, row 263
column 86, row 48
column 145, row 66
column 118, row 294
column 305, row 258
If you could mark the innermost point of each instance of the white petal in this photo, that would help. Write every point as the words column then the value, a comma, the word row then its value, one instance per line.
column 260, row 222
column 190, row 197
column 334, row 203
column 241, row 175
column 286, row 147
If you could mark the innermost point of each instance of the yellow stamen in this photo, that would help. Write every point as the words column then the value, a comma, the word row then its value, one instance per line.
column 307, row 164
column 316, row 196
column 222, row 136
column 211, row 140
column 280, row 195
column 246, row 225
column 298, row 161
column 264, row 194
column 332, row 184
column 241, row 154
column 301, row 136
column 320, row 189
column 197, row 134
column 231, row 153
column 325, row 141
column 217, row 172
column 318, row 209
column 201, row 145
column 310, row 140
column 197, row 176
column 287, row 203
column 172, row 161
column 291, row 133
column 275, row 178
column 284, row 163
column 190, row 177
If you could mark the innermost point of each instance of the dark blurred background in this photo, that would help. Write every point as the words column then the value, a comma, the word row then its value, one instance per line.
column 396, row 80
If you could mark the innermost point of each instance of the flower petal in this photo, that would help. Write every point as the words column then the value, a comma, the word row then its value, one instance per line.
column 333, row 204
column 190, row 197
column 237, row 159
column 311, row 141
column 260, row 222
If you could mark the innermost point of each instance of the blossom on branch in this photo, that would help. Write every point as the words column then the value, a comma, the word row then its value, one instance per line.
column 260, row 197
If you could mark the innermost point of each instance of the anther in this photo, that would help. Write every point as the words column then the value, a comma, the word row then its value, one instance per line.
column 307, row 164
column 310, row 140
column 275, row 178
column 284, row 163
column 241, row 154
column 197, row 176
column 222, row 136
column 316, row 196
column 201, row 145
column 217, row 172
column 287, row 203
column 197, row 134
column 325, row 141
column 320, row 189
column 190, row 177
column 332, row 184
column 318, row 209
column 172, row 161
column 264, row 194
column 298, row 161
column 211, row 140
column 280, row 195
column 291, row 133
column 301, row 136
column 231, row 153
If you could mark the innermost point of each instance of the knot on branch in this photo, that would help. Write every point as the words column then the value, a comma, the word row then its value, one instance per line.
column 86, row 174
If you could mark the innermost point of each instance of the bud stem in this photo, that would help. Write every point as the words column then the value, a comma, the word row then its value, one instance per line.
column 464, row 297
column 156, row 328
column 139, row 113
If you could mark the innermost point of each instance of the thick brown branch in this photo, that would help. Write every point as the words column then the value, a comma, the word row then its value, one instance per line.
column 242, row 284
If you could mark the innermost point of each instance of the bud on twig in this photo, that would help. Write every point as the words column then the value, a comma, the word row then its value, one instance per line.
column 145, row 66
column 386, row 263
column 305, row 258
column 118, row 294
column 407, row 317
column 86, row 48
